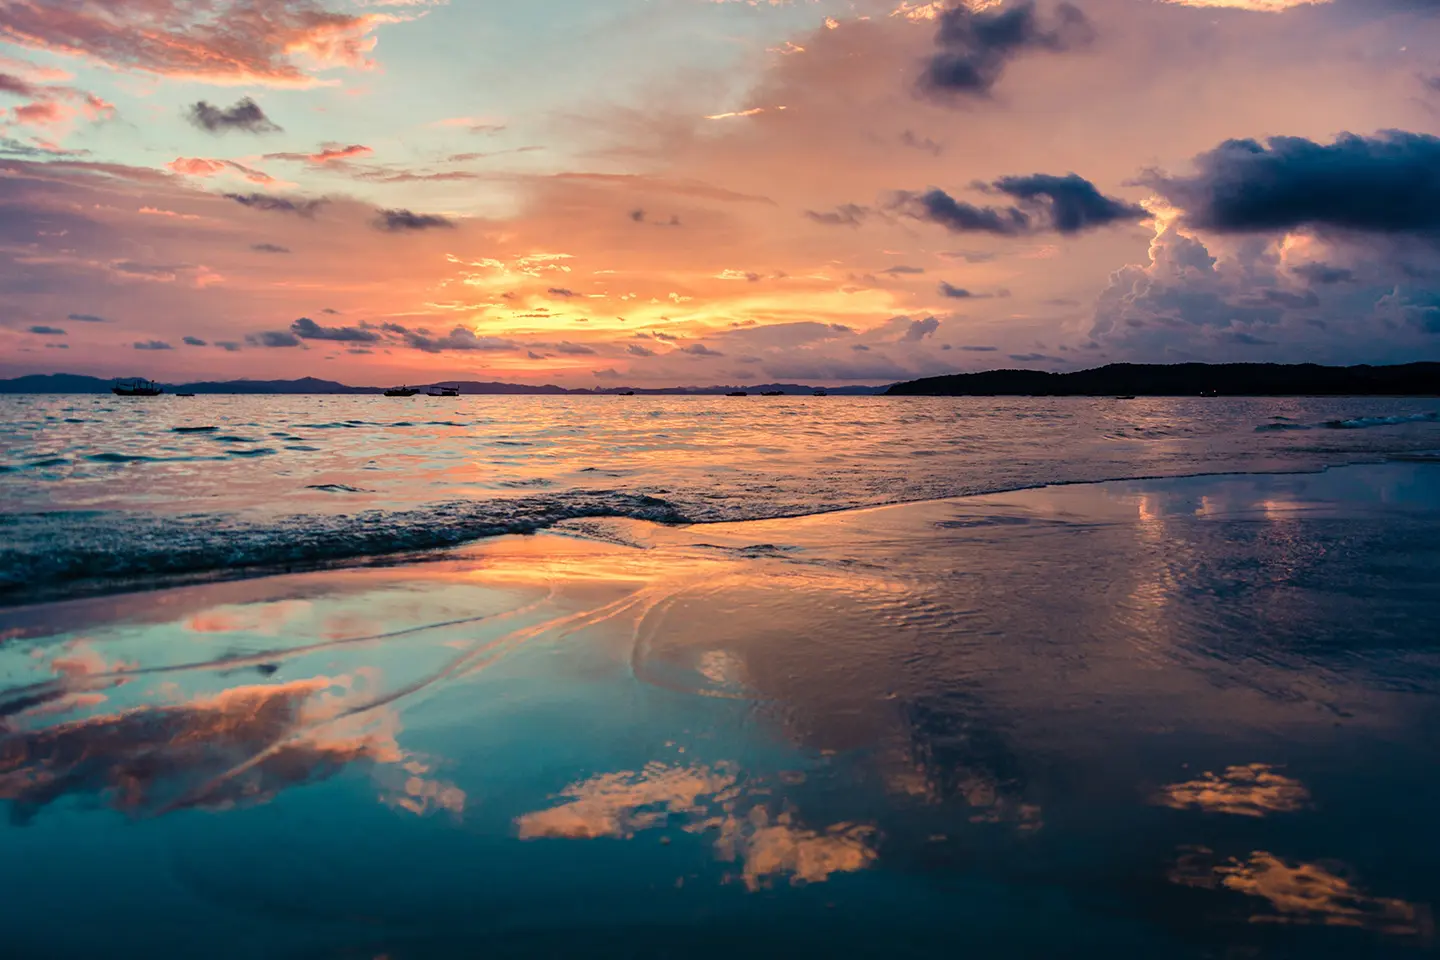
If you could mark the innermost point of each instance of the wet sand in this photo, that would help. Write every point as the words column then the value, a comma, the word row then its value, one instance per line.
column 1184, row 718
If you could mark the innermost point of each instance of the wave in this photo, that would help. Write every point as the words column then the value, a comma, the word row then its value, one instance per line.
column 1360, row 423
column 53, row 555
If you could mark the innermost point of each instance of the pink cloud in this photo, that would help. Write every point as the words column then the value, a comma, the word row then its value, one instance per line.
column 270, row 42
column 205, row 167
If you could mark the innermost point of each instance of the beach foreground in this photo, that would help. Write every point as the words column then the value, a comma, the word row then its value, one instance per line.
column 1182, row 718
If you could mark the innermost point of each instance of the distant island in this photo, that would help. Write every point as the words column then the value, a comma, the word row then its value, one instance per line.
column 1186, row 380
column 77, row 383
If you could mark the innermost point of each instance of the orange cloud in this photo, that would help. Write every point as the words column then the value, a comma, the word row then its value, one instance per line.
column 205, row 167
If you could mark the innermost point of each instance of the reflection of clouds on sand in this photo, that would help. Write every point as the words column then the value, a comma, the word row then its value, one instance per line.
column 707, row 799
column 619, row 804
column 768, row 849
column 263, row 618
column 1248, row 791
column 1301, row 893
column 238, row 747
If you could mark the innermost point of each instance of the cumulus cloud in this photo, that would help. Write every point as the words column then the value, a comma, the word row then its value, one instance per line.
column 977, row 44
column 404, row 221
column 920, row 329
column 47, row 331
column 192, row 341
column 152, row 345
column 700, row 350
column 307, row 329
column 459, row 338
column 1066, row 204
column 845, row 215
column 1385, row 184
column 245, row 114
column 954, row 292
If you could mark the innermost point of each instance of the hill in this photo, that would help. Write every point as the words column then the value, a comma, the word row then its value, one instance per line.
column 1187, row 379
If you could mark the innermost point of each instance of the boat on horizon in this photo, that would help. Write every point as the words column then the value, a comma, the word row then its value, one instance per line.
column 136, row 387
column 737, row 393
column 819, row 392
column 439, row 391
column 401, row 392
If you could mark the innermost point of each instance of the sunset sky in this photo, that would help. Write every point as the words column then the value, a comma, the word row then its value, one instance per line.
column 656, row 192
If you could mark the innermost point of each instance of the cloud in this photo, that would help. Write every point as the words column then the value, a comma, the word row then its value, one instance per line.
column 269, row 248
column 1324, row 273
column 47, row 331
column 86, row 318
column 561, row 292
column 954, row 292
column 902, row 269
column 273, row 204
column 307, row 329
column 457, row 339
column 220, row 41
column 229, row 346
column 910, row 139
column 700, row 350
column 973, row 349
column 1066, row 204
column 573, row 349
column 977, row 45
column 270, row 338
column 402, row 221
column 245, row 114
column 845, row 215
column 1385, row 184
column 328, row 154
column 636, row 350
column 192, row 341
column 152, row 345
column 920, row 329
column 205, row 167
column 1073, row 202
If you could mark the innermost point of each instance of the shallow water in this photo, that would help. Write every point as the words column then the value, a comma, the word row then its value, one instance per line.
column 95, row 490
column 1187, row 718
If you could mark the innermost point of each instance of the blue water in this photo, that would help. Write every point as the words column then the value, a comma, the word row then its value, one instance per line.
column 1187, row 717
column 100, row 492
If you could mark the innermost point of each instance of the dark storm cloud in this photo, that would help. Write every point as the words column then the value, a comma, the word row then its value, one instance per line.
column 193, row 342
column 976, row 46
column 244, row 115
column 86, row 318
column 403, row 221
column 1066, row 204
column 269, row 248
column 47, row 331
column 1385, row 184
column 272, row 338
column 846, row 215
column 273, row 204
column 1074, row 203
column 152, row 345
column 307, row 329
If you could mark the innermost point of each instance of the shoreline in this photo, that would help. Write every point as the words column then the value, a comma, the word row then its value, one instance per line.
column 561, row 526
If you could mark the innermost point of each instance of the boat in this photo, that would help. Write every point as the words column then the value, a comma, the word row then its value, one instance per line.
column 184, row 394
column 737, row 393
column 819, row 392
column 439, row 391
column 627, row 393
column 401, row 392
column 773, row 393
column 136, row 387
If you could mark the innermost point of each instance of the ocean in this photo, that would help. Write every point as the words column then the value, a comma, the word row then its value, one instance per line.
column 357, row 677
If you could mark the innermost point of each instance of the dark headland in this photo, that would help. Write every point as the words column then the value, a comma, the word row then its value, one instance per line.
column 1186, row 380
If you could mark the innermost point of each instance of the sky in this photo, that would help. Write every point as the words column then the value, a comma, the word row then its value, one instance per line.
column 663, row 192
